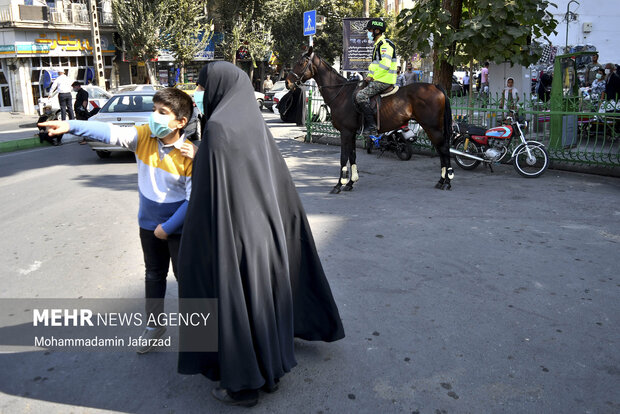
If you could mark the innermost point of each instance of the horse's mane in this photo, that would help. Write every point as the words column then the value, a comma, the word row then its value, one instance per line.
column 330, row 67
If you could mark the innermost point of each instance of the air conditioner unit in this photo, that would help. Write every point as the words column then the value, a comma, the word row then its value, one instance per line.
column 79, row 13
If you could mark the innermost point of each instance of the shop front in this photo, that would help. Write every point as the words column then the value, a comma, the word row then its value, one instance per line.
column 30, row 61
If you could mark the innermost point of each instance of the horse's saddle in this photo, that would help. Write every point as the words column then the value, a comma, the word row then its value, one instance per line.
column 375, row 101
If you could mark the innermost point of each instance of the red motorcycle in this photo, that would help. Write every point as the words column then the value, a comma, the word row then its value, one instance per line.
column 473, row 145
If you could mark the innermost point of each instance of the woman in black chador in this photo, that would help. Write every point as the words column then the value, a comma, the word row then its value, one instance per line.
column 246, row 241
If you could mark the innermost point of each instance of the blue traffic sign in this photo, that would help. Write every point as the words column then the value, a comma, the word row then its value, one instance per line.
column 310, row 23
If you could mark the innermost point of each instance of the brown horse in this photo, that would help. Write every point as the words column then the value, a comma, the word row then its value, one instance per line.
column 426, row 103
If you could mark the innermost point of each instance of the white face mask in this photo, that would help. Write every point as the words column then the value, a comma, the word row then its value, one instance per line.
column 599, row 76
column 370, row 36
column 607, row 71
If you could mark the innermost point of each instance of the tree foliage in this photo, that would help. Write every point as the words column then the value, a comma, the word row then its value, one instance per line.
column 138, row 24
column 186, row 31
column 493, row 30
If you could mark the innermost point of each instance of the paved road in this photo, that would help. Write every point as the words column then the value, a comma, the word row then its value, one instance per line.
column 500, row 296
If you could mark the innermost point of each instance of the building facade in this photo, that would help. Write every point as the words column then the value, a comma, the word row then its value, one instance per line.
column 39, row 37
column 590, row 22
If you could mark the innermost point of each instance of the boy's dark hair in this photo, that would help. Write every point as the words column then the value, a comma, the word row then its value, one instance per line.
column 76, row 83
column 179, row 102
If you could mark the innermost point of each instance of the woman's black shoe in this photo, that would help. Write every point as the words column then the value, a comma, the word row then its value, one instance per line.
column 245, row 398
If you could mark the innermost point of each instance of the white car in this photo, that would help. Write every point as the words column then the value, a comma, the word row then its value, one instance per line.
column 137, row 87
column 320, row 110
column 260, row 99
column 97, row 97
column 126, row 109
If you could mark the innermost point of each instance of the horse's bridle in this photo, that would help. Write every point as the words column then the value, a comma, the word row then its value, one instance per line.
column 299, row 79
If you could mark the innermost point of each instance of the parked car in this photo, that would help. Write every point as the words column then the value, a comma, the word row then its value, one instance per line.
column 97, row 97
column 279, row 86
column 260, row 99
column 188, row 88
column 128, row 109
column 457, row 88
column 136, row 87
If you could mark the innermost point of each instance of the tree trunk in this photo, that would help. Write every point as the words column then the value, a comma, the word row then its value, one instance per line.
column 182, row 74
column 149, row 72
column 444, row 78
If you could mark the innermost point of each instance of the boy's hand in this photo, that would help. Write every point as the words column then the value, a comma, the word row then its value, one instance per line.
column 55, row 127
column 160, row 233
column 188, row 149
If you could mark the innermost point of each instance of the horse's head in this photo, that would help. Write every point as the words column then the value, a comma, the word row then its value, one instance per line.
column 303, row 70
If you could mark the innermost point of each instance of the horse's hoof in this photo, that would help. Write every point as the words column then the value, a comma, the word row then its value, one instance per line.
column 335, row 190
column 347, row 188
column 439, row 186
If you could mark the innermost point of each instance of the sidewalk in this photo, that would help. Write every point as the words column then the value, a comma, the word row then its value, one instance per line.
column 19, row 131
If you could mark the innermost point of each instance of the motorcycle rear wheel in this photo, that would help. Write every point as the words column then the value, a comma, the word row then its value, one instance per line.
column 404, row 151
column 534, row 166
column 472, row 148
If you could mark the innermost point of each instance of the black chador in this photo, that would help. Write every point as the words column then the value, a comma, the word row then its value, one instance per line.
column 246, row 241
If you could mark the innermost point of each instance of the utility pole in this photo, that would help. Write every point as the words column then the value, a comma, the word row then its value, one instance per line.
column 366, row 8
column 94, row 33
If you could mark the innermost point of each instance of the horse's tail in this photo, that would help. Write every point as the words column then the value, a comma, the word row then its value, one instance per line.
column 447, row 117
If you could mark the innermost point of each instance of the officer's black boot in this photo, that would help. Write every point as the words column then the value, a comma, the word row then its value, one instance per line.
column 370, row 126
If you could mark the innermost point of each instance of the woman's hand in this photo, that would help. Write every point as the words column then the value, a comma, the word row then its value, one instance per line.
column 55, row 127
column 189, row 150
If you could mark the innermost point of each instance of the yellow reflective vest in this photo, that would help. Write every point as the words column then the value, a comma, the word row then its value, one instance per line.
column 383, row 66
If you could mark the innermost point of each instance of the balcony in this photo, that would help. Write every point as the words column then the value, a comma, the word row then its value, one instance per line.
column 77, row 14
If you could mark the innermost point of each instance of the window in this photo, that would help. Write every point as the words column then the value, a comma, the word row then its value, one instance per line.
column 36, row 75
column 2, row 78
column 129, row 103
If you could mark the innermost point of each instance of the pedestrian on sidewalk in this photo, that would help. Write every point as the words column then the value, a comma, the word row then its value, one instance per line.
column 164, row 184
column 48, row 115
column 466, row 82
column 81, row 104
column 62, row 87
column 247, row 242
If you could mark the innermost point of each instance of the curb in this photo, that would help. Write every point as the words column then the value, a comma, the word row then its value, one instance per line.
column 28, row 143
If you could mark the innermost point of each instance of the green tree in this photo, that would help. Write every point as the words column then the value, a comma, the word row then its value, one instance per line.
column 458, row 31
column 187, row 30
column 138, row 24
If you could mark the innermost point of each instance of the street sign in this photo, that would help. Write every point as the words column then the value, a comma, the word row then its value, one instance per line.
column 310, row 23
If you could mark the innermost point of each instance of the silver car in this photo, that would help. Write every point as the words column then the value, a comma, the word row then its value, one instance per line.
column 127, row 109
column 97, row 97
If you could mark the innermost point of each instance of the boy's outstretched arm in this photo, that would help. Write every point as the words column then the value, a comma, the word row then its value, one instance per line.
column 99, row 131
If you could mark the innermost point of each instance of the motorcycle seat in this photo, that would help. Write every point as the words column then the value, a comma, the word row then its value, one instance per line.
column 470, row 129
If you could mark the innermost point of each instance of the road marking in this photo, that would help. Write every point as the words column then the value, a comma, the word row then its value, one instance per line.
column 35, row 266
column 14, row 131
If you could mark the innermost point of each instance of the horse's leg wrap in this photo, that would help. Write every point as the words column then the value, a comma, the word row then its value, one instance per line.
column 354, row 175
column 344, row 175
column 450, row 172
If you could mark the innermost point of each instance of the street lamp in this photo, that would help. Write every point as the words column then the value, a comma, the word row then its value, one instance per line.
column 567, row 21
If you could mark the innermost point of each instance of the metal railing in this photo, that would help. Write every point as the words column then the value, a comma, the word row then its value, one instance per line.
column 6, row 14
column 583, row 132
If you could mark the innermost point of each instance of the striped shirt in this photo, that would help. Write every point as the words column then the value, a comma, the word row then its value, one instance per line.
column 164, row 174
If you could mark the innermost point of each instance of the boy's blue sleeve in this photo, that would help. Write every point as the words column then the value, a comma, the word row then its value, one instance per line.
column 176, row 220
column 106, row 133
column 99, row 131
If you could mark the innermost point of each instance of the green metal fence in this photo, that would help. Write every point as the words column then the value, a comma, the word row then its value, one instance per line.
column 579, row 133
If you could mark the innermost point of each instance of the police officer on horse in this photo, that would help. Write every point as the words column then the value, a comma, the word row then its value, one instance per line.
column 381, row 73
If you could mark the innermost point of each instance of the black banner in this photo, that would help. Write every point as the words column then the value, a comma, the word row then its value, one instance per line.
column 357, row 49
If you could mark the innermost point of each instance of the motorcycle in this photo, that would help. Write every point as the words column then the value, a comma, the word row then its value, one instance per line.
column 399, row 140
column 473, row 145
